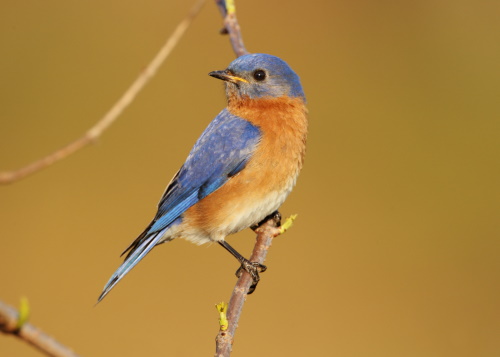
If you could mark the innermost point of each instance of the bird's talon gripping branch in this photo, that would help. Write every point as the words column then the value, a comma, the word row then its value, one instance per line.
column 276, row 216
column 252, row 268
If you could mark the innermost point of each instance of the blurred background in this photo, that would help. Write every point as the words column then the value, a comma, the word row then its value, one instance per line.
column 396, row 248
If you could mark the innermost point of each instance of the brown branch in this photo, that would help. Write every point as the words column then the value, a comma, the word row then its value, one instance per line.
column 110, row 117
column 265, row 234
column 30, row 334
column 231, row 26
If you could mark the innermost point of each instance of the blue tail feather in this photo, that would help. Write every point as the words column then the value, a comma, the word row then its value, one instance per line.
column 131, row 260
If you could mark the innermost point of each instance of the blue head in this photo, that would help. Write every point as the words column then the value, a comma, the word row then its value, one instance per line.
column 259, row 75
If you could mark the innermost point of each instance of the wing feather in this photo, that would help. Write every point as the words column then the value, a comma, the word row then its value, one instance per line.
column 221, row 152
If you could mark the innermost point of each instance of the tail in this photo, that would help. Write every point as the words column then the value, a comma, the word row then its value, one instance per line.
column 142, row 247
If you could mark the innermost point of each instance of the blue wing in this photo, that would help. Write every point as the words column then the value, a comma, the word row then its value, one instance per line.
column 220, row 153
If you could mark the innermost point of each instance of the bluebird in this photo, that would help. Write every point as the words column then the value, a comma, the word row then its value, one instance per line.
column 240, row 170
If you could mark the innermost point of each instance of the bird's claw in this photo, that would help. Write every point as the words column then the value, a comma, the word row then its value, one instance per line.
column 276, row 216
column 252, row 268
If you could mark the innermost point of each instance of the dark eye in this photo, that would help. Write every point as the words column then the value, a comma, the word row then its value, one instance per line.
column 259, row 75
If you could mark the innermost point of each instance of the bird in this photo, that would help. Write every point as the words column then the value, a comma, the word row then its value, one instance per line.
column 240, row 170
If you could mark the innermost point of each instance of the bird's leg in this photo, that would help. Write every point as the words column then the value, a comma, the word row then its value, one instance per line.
column 252, row 268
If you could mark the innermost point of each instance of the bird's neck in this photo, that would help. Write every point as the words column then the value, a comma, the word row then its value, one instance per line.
column 270, row 112
column 282, row 121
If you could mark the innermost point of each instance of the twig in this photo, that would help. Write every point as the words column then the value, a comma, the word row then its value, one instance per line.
column 265, row 234
column 230, row 314
column 110, row 117
column 231, row 26
column 9, row 324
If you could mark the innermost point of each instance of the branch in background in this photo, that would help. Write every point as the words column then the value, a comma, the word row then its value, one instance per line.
column 96, row 131
column 9, row 324
column 265, row 234
column 231, row 26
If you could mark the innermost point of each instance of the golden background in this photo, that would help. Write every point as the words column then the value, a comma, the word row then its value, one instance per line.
column 396, row 248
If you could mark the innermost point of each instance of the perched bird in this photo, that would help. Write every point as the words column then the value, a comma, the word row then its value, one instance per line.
column 242, row 167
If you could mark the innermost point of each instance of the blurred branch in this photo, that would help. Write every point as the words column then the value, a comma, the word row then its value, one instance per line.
column 110, row 117
column 265, row 234
column 231, row 26
column 9, row 324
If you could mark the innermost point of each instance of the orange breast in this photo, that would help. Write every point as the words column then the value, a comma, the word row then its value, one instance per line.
column 262, row 186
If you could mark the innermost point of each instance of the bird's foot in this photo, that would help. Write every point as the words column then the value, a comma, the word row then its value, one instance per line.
column 252, row 268
column 276, row 216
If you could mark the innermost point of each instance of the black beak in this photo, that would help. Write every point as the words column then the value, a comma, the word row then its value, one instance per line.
column 225, row 75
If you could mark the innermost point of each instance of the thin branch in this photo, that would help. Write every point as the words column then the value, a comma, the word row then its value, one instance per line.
column 231, row 26
column 9, row 318
column 110, row 117
column 265, row 234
